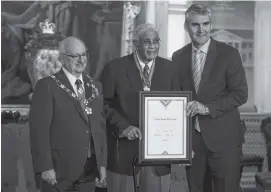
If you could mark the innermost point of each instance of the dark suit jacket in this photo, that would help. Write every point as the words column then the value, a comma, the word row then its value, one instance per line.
column 223, row 88
column 59, row 130
column 122, row 83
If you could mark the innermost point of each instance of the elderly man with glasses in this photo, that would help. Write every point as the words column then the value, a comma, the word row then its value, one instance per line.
column 67, row 125
column 122, row 81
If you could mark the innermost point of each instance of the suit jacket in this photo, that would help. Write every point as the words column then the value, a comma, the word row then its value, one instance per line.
column 223, row 88
column 60, row 131
column 122, row 83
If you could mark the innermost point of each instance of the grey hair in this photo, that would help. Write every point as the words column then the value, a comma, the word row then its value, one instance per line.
column 199, row 9
column 64, row 45
column 140, row 29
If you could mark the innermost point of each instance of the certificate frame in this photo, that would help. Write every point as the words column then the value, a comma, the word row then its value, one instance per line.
column 184, row 155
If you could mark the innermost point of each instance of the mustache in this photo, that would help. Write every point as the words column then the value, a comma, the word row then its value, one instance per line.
column 80, row 63
column 201, row 34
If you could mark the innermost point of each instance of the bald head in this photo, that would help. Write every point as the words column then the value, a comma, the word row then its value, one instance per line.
column 73, row 55
column 69, row 45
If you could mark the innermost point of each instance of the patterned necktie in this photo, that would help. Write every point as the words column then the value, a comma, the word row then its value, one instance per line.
column 80, row 90
column 197, row 71
column 146, row 76
column 81, row 97
column 146, row 71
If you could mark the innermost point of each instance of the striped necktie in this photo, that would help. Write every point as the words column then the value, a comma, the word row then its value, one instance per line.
column 197, row 71
column 197, row 68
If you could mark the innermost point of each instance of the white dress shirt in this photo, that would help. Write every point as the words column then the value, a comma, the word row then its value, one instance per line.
column 204, row 48
column 72, row 79
column 143, row 64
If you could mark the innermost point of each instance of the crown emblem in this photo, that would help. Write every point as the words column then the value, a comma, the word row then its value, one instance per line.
column 47, row 27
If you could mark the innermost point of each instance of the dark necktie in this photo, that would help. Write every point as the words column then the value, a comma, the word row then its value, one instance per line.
column 146, row 82
column 81, row 96
column 146, row 72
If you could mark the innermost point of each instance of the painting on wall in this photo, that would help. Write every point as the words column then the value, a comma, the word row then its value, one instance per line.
column 98, row 24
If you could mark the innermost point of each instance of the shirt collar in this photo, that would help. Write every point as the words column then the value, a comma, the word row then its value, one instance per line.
column 71, row 77
column 204, row 48
column 143, row 64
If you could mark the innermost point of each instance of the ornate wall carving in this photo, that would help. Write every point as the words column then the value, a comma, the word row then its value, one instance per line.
column 130, row 10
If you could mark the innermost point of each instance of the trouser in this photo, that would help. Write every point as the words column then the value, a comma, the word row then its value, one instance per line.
column 148, row 182
column 224, row 167
column 85, row 183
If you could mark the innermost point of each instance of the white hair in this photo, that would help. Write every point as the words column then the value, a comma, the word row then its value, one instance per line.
column 140, row 29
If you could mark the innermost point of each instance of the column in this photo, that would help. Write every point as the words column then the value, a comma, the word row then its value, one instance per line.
column 162, row 25
column 157, row 14
column 262, row 58
column 150, row 15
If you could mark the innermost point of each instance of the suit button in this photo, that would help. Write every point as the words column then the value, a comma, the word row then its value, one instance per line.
column 86, row 148
column 87, row 131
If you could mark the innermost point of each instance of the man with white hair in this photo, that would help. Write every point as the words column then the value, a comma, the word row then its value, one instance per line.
column 67, row 125
column 122, row 81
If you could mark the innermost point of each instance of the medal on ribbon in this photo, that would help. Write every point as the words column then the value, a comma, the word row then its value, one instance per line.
column 146, row 84
column 146, row 81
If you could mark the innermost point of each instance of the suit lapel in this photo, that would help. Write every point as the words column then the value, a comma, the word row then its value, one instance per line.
column 64, row 80
column 187, row 60
column 157, row 75
column 133, row 74
column 209, row 62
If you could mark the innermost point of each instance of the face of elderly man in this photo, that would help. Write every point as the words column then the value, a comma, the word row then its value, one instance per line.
column 198, row 26
column 74, row 56
column 148, row 45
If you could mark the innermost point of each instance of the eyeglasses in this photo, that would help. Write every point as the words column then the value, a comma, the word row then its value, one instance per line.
column 149, row 42
column 77, row 56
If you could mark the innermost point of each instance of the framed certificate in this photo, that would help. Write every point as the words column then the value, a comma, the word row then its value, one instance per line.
column 166, row 130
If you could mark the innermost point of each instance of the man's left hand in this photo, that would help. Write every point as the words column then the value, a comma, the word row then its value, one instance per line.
column 196, row 108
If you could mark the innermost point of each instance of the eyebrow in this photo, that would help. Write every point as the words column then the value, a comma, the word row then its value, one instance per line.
column 156, row 38
column 204, row 23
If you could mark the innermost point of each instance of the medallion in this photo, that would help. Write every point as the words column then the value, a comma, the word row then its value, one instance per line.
column 88, row 110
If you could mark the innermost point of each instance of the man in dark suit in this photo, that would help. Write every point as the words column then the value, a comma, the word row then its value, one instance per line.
column 214, row 73
column 67, row 125
column 122, row 80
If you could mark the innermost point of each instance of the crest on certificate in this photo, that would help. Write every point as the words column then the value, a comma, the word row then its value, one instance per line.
column 165, row 102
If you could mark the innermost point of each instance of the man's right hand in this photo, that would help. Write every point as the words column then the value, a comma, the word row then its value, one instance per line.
column 49, row 176
column 132, row 133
